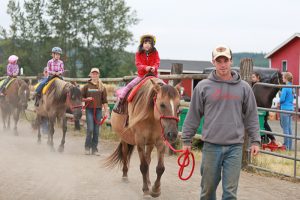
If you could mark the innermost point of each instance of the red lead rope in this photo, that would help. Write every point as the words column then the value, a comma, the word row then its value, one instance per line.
column 184, row 158
column 87, row 102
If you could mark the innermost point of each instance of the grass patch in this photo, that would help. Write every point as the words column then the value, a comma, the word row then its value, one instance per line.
column 277, row 164
column 108, row 134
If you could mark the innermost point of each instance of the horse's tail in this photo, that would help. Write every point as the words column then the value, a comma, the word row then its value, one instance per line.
column 117, row 157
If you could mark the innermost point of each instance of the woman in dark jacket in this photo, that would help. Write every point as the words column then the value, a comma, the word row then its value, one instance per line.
column 94, row 92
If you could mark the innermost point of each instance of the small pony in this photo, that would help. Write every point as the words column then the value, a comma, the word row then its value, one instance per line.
column 153, row 117
column 14, row 102
column 54, row 103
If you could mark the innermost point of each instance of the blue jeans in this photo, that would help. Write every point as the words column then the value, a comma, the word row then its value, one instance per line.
column 286, row 125
column 220, row 161
column 92, row 132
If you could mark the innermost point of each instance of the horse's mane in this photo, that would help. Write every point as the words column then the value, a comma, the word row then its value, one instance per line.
column 58, row 88
column 142, row 104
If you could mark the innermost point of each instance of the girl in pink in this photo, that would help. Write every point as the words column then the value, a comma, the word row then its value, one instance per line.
column 146, row 60
column 12, row 71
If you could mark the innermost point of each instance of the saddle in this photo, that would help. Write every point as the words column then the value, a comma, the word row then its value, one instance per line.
column 121, row 106
column 47, row 86
column 8, row 83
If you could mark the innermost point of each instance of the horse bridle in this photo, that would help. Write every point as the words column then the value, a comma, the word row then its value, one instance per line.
column 187, row 157
column 68, row 101
column 162, row 116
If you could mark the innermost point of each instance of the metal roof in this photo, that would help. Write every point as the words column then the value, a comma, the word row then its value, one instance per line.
column 282, row 44
column 189, row 66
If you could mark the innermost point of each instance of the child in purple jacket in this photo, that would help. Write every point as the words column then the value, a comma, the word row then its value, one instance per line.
column 12, row 71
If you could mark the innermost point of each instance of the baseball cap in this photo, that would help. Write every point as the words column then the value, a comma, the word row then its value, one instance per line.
column 95, row 70
column 221, row 50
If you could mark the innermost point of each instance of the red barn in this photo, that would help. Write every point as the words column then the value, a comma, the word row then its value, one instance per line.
column 286, row 57
column 189, row 67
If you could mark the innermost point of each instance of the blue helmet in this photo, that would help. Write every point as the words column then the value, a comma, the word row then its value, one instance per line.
column 56, row 50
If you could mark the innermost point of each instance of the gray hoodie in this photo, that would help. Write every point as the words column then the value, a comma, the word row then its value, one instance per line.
column 228, row 107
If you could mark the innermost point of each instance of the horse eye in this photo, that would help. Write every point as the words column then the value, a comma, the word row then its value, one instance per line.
column 162, row 105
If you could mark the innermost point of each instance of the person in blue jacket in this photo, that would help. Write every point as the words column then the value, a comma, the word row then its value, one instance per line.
column 286, row 103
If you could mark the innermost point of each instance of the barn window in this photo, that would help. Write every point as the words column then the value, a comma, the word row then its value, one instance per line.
column 284, row 66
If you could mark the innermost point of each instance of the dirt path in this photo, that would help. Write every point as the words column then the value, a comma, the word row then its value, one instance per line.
column 29, row 171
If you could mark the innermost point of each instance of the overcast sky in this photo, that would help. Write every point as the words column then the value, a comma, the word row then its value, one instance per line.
column 189, row 29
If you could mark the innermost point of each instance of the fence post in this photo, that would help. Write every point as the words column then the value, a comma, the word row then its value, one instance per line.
column 246, row 70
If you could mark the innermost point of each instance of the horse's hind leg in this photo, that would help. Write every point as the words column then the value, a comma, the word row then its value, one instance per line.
column 38, row 124
column 8, row 120
column 64, row 128
column 3, row 118
column 51, row 133
column 144, row 167
column 160, row 168
column 16, row 115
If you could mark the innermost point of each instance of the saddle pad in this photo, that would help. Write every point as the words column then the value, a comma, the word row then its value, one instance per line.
column 46, row 87
column 137, row 87
column 7, row 85
column 1, row 82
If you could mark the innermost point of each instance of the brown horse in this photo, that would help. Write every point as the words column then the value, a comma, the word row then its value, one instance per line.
column 153, row 115
column 14, row 102
column 53, row 105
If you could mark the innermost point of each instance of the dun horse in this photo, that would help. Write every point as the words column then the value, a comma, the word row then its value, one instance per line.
column 15, row 101
column 53, row 105
column 153, row 115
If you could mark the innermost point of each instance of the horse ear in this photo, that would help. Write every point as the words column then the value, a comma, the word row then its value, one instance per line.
column 178, row 87
column 156, row 86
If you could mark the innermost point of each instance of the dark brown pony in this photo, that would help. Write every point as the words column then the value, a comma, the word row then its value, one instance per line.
column 53, row 105
column 14, row 102
column 264, row 95
column 152, row 116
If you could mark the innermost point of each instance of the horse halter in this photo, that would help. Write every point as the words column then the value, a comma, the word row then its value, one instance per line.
column 164, row 116
column 187, row 157
column 69, row 102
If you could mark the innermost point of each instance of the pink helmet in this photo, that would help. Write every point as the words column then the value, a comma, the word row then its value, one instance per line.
column 13, row 59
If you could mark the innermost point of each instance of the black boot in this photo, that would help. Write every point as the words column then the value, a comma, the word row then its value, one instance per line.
column 119, row 106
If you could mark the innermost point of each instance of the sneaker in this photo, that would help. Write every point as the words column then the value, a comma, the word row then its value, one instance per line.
column 87, row 152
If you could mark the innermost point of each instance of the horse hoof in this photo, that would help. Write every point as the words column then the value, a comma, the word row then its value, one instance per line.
column 52, row 149
column 146, row 195
column 155, row 194
column 125, row 179
column 39, row 141
column 60, row 149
